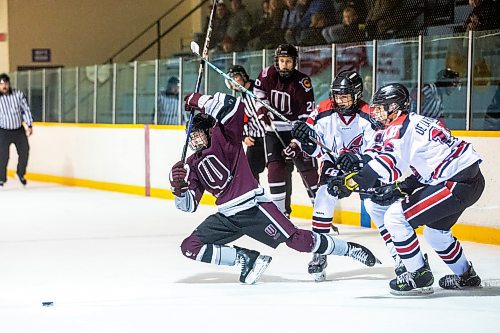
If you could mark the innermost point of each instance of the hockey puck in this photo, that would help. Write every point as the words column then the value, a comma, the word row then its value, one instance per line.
column 47, row 303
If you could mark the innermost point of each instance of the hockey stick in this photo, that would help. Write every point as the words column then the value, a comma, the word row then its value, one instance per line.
column 195, row 48
column 200, row 75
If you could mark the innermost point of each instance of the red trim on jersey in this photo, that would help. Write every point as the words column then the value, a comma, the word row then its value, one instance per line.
column 390, row 164
column 427, row 203
column 386, row 237
column 321, row 224
column 245, row 119
column 456, row 153
column 453, row 253
column 347, row 122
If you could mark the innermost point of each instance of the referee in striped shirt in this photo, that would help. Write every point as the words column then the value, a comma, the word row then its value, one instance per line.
column 14, row 110
column 253, row 132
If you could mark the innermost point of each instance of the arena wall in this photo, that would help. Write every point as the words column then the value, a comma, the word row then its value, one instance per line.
column 137, row 159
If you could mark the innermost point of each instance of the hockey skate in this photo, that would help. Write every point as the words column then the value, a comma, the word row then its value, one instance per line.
column 252, row 263
column 467, row 279
column 361, row 254
column 317, row 267
column 414, row 283
column 399, row 267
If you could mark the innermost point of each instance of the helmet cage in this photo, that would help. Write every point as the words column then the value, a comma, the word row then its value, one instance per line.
column 285, row 50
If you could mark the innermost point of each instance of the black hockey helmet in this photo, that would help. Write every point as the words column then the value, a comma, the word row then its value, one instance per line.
column 347, row 83
column 390, row 99
column 4, row 78
column 286, row 50
column 236, row 70
column 199, row 137
column 447, row 78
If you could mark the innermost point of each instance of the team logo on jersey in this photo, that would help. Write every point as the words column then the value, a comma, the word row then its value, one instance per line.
column 272, row 231
column 354, row 145
column 306, row 84
column 214, row 173
column 281, row 101
column 257, row 83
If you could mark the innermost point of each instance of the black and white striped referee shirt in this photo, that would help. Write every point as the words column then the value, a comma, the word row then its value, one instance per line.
column 14, row 109
column 168, row 109
column 432, row 104
column 253, row 127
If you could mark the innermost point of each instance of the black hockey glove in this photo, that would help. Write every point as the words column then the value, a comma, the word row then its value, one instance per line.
column 388, row 194
column 341, row 186
column 291, row 151
column 350, row 162
column 178, row 179
column 303, row 133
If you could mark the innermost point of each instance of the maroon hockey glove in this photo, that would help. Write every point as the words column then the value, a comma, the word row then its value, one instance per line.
column 178, row 178
column 264, row 115
column 196, row 101
column 291, row 151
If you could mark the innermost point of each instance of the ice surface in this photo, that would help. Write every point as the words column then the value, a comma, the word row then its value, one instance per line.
column 111, row 262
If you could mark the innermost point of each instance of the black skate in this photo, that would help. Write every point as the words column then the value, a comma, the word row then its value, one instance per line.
column 317, row 267
column 399, row 267
column 361, row 254
column 252, row 264
column 414, row 283
column 468, row 279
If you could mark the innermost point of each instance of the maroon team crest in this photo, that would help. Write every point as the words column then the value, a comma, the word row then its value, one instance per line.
column 306, row 84
column 353, row 146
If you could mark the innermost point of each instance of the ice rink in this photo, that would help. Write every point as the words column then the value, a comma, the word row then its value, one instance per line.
column 111, row 262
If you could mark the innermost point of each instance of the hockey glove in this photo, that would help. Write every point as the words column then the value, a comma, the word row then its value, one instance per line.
column 264, row 115
column 196, row 101
column 178, row 178
column 350, row 162
column 304, row 134
column 388, row 194
column 341, row 186
column 291, row 151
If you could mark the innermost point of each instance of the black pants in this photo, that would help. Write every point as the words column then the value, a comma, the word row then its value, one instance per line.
column 256, row 156
column 19, row 139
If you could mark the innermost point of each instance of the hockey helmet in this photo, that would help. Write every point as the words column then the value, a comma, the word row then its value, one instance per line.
column 234, row 71
column 199, row 137
column 347, row 83
column 388, row 103
column 285, row 50
column 448, row 79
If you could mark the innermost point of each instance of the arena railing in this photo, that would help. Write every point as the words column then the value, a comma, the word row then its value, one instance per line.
column 128, row 93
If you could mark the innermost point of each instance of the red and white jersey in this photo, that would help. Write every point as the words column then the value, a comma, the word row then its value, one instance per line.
column 341, row 133
column 293, row 98
column 423, row 144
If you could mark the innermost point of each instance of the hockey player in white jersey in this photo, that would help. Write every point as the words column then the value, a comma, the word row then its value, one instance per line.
column 342, row 123
column 448, row 178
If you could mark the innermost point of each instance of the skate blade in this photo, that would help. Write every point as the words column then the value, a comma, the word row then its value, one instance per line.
column 260, row 266
column 414, row 292
column 319, row 277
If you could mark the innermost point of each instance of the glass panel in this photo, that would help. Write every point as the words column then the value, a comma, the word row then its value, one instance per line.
column 442, row 52
column 397, row 62
column 169, row 109
column 215, row 80
column 125, row 93
column 270, row 57
column 358, row 57
column 146, row 92
column 104, row 94
column 86, row 95
column 52, row 87
column 251, row 61
column 189, row 76
column 36, row 97
column 69, row 95
column 316, row 61
column 486, row 86
column 23, row 83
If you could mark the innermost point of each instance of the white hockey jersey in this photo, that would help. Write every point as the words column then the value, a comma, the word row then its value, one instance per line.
column 423, row 144
column 341, row 133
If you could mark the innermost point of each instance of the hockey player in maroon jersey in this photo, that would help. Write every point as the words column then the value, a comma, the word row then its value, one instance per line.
column 219, row 166
column 448, row 178
column 291, row 93
column 342, row 123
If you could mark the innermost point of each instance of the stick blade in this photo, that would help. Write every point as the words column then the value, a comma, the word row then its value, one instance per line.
column 195, row 48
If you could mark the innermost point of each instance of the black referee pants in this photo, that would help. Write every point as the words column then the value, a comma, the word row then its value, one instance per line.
column 20, row 140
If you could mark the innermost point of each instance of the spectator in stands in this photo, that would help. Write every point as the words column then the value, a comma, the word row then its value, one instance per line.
column 447, row 81
column 240, row 23
column 312, row 36
column 267, row 32
column 381, row 18
column 484, row 16
column 348, row 31
column 290, row 21
column 219, row 27
column 168, row 103
column 312, row 7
